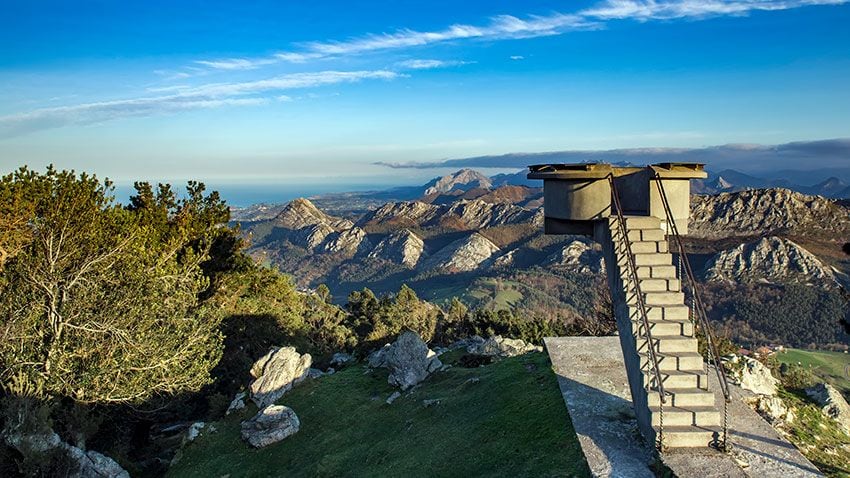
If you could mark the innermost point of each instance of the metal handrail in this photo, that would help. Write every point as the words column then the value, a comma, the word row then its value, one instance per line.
column 632, row 267
column 699, row 307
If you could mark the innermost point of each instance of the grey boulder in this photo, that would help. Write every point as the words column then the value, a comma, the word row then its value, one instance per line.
column 271, row 425
column 276, row 372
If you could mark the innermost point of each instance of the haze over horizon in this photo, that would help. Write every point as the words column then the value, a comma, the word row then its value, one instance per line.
column 389, row 93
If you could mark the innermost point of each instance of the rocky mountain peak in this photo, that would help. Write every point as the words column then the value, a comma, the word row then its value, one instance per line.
column 464, row 179
column 770, row 259
column 463, row 255
column 301, row 213
column 765, row 212
column 402, row 247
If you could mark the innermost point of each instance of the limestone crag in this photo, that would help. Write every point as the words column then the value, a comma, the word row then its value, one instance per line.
column 301, row 213
column 348, row 242
column 270, row 425
column 464, row 255
column 276, row 373
column 401, row 247
column 832, row 403
column 578, row 256
column 755, row 377
column 460, row 215
column 766, row 211
column 771, row 259
column 464, row 179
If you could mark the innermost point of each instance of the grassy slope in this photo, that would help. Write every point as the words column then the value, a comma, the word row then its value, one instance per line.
column 831, row 366
column 511, row 423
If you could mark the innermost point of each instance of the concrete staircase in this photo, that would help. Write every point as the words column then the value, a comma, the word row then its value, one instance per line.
column 690, row 415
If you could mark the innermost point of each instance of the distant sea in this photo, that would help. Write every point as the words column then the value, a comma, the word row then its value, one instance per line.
column 242, row 195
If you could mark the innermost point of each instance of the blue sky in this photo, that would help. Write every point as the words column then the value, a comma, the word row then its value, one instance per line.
column 319, row 92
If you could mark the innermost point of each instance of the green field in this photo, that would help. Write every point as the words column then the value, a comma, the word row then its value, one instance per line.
column 504, row 419
column 834, row 367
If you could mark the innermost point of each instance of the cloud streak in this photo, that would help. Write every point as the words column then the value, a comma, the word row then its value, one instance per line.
column 744, row 157
column 181, row 98
column 509, row 27
column 430, row 64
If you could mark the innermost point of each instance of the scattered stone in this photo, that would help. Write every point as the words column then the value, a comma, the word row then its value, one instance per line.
column 498, row 346
column 341, row 358
column 756, row 377
column 193, row 432
column 330, row 371
column 238, row 403
column 315, row 373
column 472, row 380
column 832, row 403
column 271, row 425
column 410, row 361
column 378, row 358
column 89, row 463
column 276, row 373
column 393, row 397
column 431, row 402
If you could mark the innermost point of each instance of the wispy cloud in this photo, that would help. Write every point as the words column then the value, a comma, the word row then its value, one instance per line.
column 517, row 57
column 509, row 27
column 181, row 98
column 430, row 64
column 646, row 10
column 745, row 157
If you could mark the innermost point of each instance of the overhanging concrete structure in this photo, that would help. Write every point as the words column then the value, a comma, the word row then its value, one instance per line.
column 576, row 196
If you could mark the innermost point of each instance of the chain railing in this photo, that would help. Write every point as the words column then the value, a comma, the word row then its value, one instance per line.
column 697, row 309
column 631, row 266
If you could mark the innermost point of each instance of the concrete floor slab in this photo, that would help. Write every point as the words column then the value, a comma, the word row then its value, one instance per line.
column 592, row 378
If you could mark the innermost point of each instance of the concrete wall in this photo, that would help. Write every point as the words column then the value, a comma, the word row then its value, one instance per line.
column 678, row 195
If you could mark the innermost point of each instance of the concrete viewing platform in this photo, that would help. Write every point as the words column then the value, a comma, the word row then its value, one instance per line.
column 592, row 378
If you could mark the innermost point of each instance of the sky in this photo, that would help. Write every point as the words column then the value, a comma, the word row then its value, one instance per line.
column 335, row 92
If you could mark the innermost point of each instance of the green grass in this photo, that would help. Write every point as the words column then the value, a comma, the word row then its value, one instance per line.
column 833, row 367
column 818, row 437
column 511, row 422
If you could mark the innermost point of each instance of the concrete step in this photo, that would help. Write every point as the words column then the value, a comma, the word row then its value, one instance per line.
column 695, row 379
column 666, row 327
column 674, row 343
column 663, row 298
column 644, row 235
column 659, row 271
column 660, row 312
column 683, row 397
column 660, row 285
column 653, row 259
column 642, row 222
column 690, row 436
column 677, row 416
column 649, row 247
column 674, row 361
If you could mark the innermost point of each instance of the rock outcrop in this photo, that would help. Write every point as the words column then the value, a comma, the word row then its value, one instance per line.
column 464, row 179
column 86, row 464
column 773, row 409
column 832, row 403
column 238, row 403
column 756, row 377
column 461, row 215
column 271, row 425
column 301, row 213
column 771, row 259
column 402, row 247
column 348, row 242
column 766, row 212
column 276, row 373
column 578, row 256
column 498, row 346
column 464, row 255
column 408, row 359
